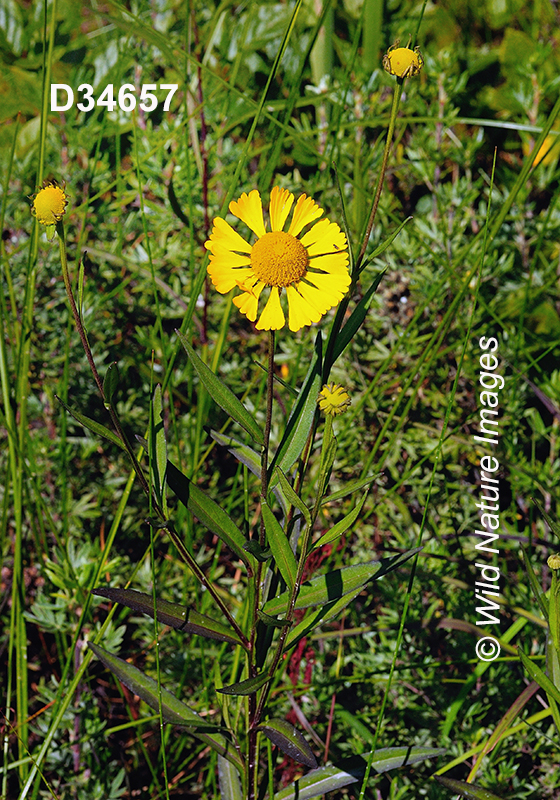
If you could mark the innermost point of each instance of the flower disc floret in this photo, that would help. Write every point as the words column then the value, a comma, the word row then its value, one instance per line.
column 333, row 399
column 49, row 204
column 310, row 268
column 402, row 61
column 279, row 259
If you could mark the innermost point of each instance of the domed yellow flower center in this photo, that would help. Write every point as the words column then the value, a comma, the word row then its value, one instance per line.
column 279, row 259
column 50, row 204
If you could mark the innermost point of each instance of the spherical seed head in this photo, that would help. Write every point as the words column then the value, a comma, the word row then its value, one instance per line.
column 49, row 204
column 553, row 561
column 402, row 61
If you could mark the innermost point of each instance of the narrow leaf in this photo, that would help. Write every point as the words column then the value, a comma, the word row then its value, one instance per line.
column 262, row 554
column 469, row 790
column 350, row 488
column 350, row 770
column 222, row 395
column 92, row 425
column 341, row 526
column 319, row 617
column 290, row 741
column 111, row 382
column 356, row 319
column 539, row 676
column 280, row 546
column 246, row 687
column 173, row 710
column 228, row 777
column 536, row 589
column 302, row 414
column 293, row 498
column 173, row 614
column 272, row 621
column 207, row 511
column 252, row 460
column 339, row 582
column 158, row 447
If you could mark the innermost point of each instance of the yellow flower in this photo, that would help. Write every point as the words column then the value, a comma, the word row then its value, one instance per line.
column 49, row 204
column 333, row 399
column 313, row 269
column 402, row 61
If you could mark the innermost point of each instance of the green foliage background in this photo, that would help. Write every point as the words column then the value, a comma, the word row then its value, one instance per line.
column 143, row 191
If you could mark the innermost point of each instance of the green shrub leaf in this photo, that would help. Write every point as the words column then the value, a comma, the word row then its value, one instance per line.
column 469, row 790
column 280, row 546
column 92, row 425
column 222, row 395
column 351, row 770
column 158, row 447
column 342, row 526
column 290, row 741
column 173, row 710
column 246, row 687
column 173, row 614
column 207, row 511
column 302, row 414
column 334, row 585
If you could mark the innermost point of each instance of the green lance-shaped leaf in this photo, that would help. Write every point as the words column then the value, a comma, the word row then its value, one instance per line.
column 158, row 447
column 222, row 395
column 351, row 770
column 207, row 511
column 92, row 425
column 293, row 498
column 173, row 614
column 280, row 546
column 469, row 790
column 110, row 383
column 246, row 687
column 228, row 778
column 319, row 617
column 341, row 526
column 290, row 741
column 333, row 585
column 302, row 414
column 539, row 676
column 272, row 621
column 357, row 317
column 252, row 460
column 173, row 710
column 350, row 488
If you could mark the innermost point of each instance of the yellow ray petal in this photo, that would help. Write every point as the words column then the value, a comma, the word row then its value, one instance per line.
column 249, row 209
column 226, row 279
column 306, row 211
column 321, row 299
column 333, row 263
column 223, row 234
column 272, row 317
column 333, row 286
column 248, row 302
column 300, row 310
column 324, row 237
column 225, row 258
column 281, row 201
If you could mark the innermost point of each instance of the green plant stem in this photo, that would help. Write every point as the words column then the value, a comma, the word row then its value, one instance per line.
column 304, row 552
column 254, row 709
column 89, row 356
column 394, row 109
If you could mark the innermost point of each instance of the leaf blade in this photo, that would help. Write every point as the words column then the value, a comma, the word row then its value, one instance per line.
column 222, row 394
column 175, row 615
